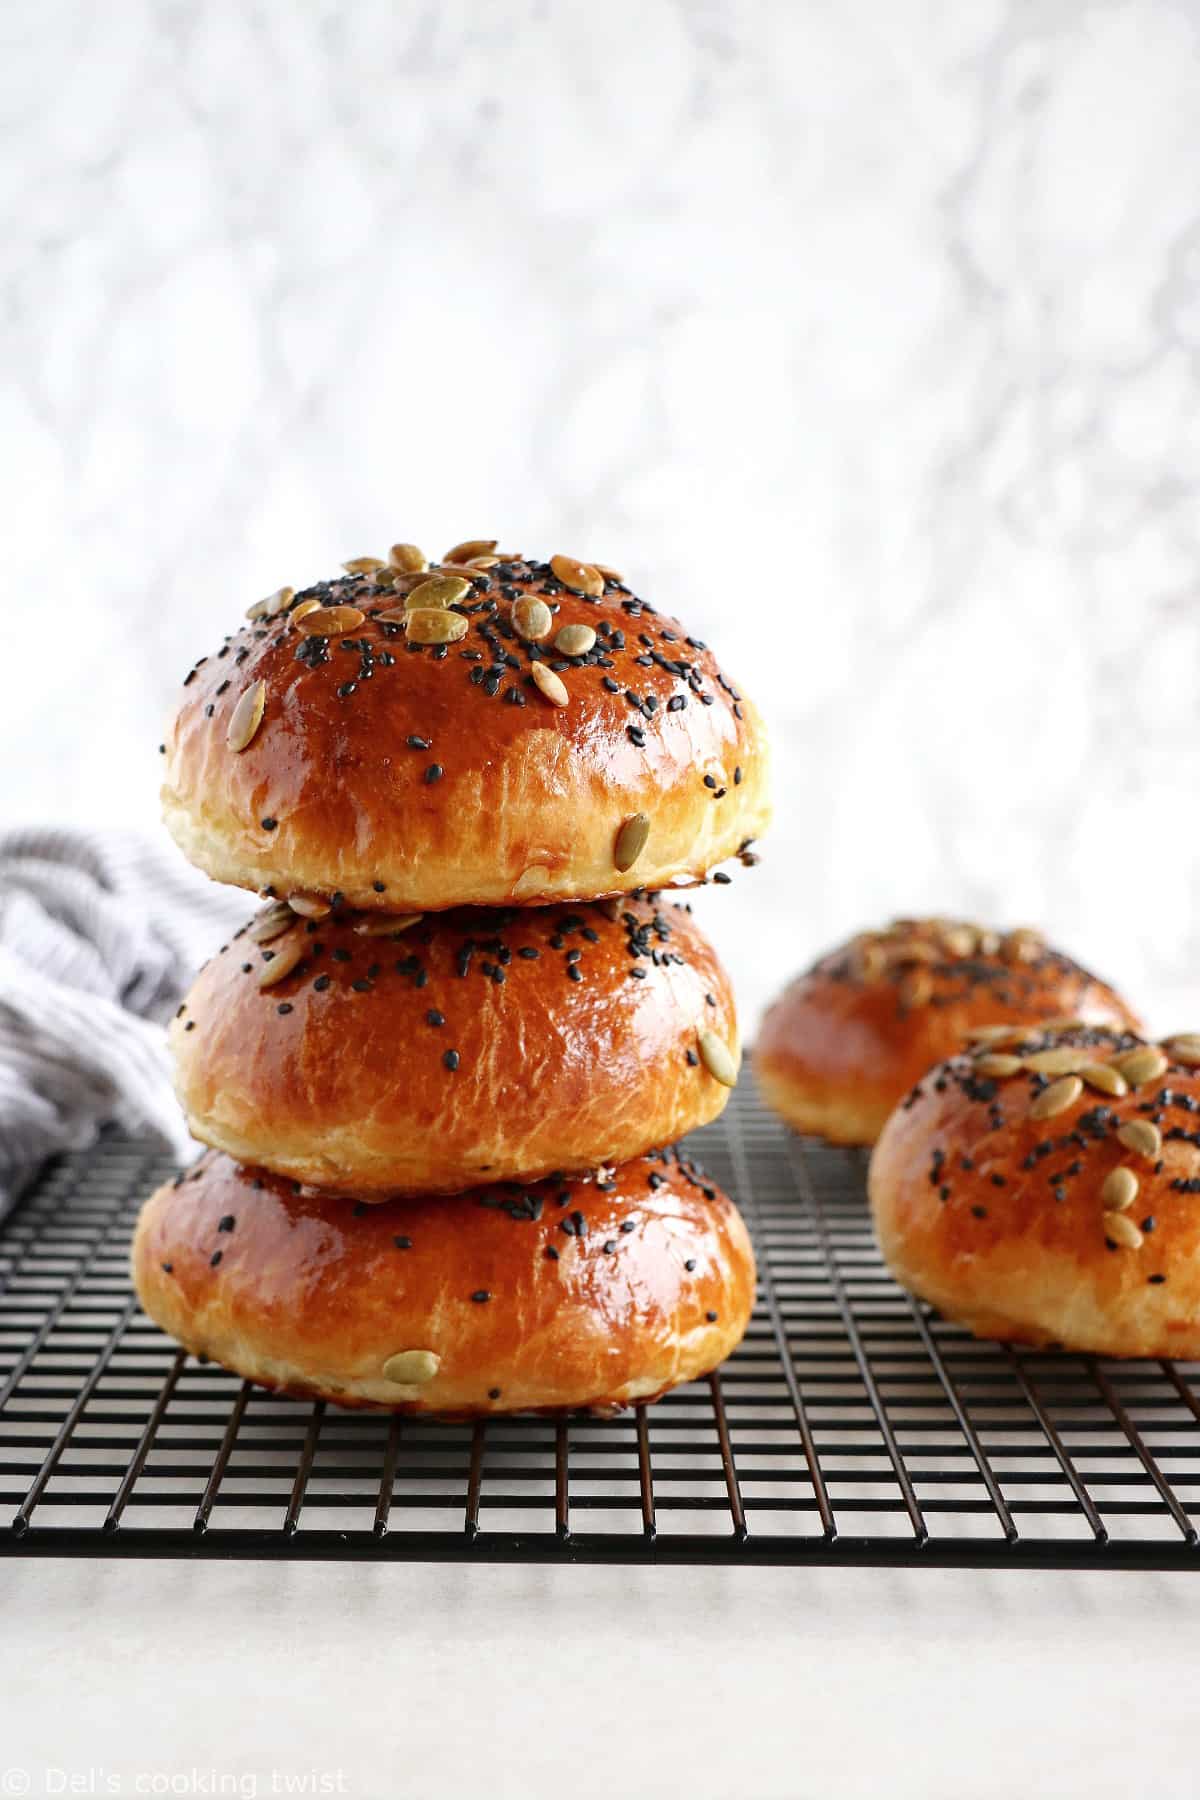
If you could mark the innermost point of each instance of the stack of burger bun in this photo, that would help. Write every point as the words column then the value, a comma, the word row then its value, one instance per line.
column 1036, row 1164
column 441, row 1070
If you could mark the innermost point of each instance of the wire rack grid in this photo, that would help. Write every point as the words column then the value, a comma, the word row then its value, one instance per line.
column 852, row 1426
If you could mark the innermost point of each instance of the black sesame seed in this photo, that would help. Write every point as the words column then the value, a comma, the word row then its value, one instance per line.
column 269, row 824
column 284, row 1007
column 321, row 983
column 711, row 1316
column 167, row 1268
column 402, row 1243
column 227, row 1223
column 434, row 773
column 450, row 1060
column 417, row 743
column 215, row 1258
column 480, row 1296
column 434, row 1017
column 690, row 1265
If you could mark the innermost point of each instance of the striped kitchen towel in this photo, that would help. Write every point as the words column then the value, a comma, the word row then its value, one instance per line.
column 99, row 936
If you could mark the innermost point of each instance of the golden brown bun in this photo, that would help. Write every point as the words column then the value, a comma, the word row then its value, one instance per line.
column 415, row 778
column 1022, row 1226
column 847, row 1040
column 555, row 1296
column 577, row 1037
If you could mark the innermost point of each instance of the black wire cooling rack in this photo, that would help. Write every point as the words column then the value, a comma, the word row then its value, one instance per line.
column 852, row 1426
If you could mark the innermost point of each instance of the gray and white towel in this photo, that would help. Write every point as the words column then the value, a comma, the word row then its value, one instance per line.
column 99, row 936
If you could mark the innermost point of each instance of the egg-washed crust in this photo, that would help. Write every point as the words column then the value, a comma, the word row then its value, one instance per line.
column 1046, row 1189
column 551, row 1297
column 415, row 776
column 846, row 1041
column 465, row 1046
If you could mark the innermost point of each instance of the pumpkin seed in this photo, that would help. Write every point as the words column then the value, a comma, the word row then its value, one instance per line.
column 1120, row 1229
column 1119, row 1190
column 575, row 640
column 996, row 1063
column 532, row 618
column 1061, row 1061
column 1185, row 1049
column 1142, row 1064
column 305, row 607
column 718, row 1059
column 438, row 590
column 585, row 578
column 435, row 625
column 915, row 951
column 1105, row 1079
column 996, row 1036
column 1022, row 945
column 271, row 922
column 989, row 943
column 871, row 962
column 609, row 573
column 330, row 621
column 247, row 716
column 363, row 565
column 1056, row 1098
column 310, row 906
column 470, row 547
column 630, row 840
column 412, row 1368
column 1143, row 1137
column 547, row 683
column 960, row 940
column 916, row 988
column 272, row 605
column 408, row 559
column 385, row 924
column 290, row 952
column 1064, row 1022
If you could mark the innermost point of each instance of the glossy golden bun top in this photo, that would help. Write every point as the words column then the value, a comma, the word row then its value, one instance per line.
column 1046, row 1188
column 846, row 1041
column 371, row 1055
column 503, row 1299
column 560, row 740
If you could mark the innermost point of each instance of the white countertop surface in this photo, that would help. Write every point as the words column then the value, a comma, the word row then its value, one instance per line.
column 448, row 1681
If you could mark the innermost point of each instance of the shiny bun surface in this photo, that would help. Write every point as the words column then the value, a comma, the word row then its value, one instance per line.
column 559, row 1295
column 462, row 1046
column 1046, row 1190
column 561, row 740
column 846, row 1041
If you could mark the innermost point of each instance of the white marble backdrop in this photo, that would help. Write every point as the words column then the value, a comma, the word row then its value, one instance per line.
column 865, row 333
